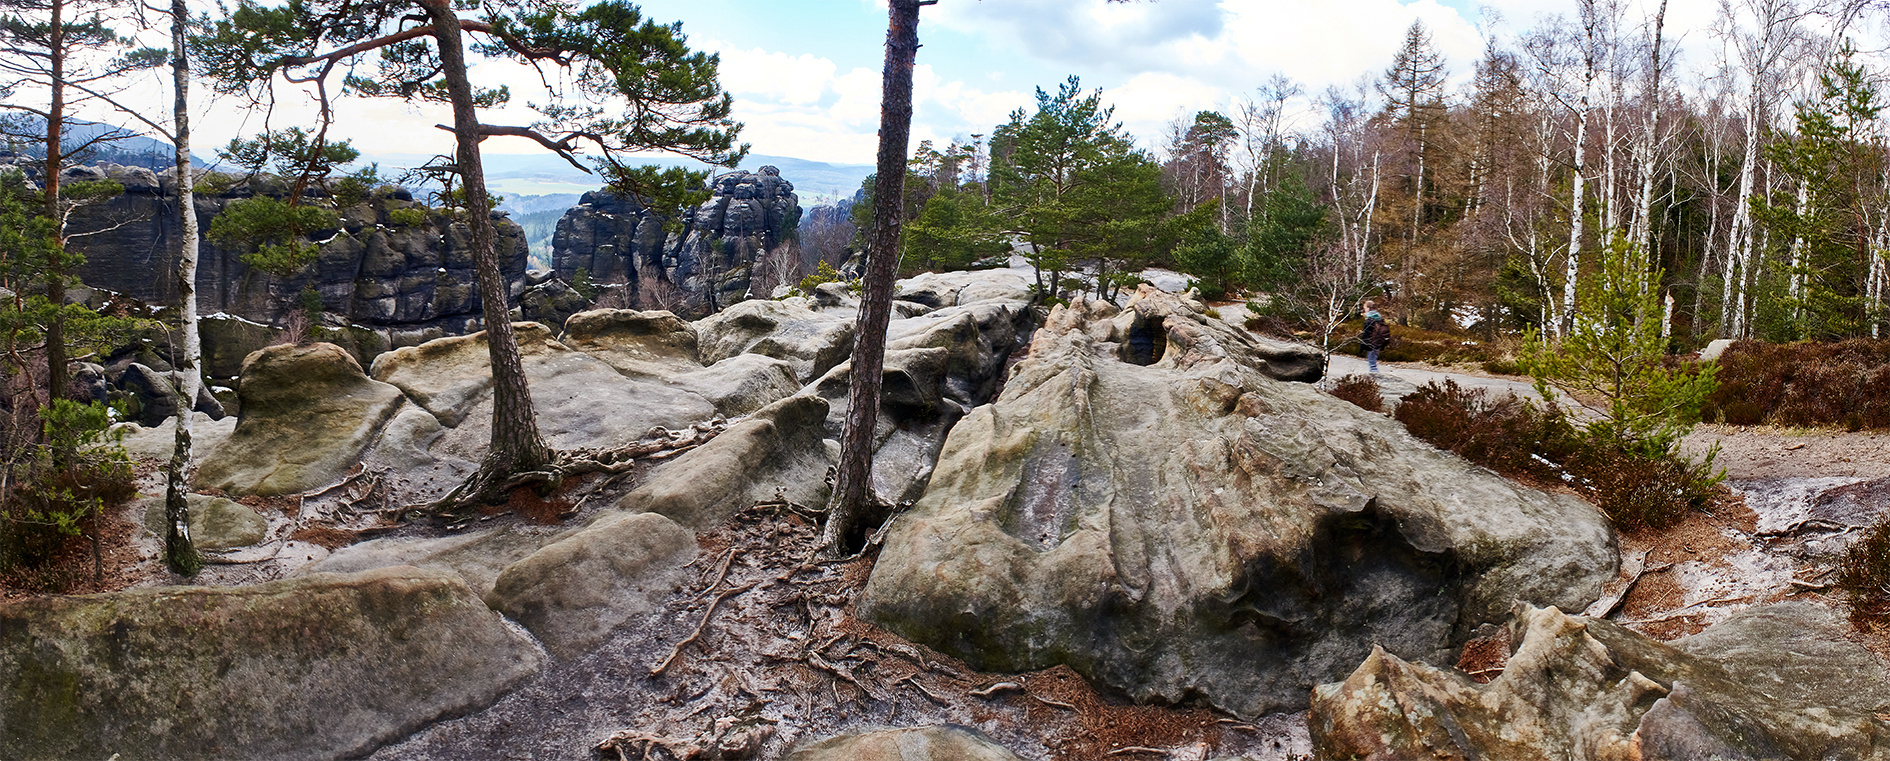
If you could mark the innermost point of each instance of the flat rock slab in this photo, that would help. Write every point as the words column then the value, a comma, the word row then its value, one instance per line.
column 321, row 667
column 216, row 523
column 573, row 592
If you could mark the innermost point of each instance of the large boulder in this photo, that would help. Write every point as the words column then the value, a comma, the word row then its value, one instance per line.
column 661, row 346
column 651, row 343
column 946, row 743
column 1188, row 525
column 1779, row 682
column 477, row 557
column 328, row 666
column 307, row 414
column 778, row 451
column 449, row 376
column 581, row 401
column 574, row 591
column 946, row 289
column 810, row 341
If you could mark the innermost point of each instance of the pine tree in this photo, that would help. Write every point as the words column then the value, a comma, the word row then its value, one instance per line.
column 853, row 475
column 670, row 97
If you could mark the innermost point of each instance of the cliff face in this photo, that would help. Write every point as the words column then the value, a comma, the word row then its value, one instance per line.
column 616, row 240
column 371, row 270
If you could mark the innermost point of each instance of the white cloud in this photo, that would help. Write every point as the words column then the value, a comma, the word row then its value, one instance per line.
column 798, row 79
column 1148, row 102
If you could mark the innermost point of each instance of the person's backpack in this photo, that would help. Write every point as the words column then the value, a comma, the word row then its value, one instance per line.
column 1380, row 336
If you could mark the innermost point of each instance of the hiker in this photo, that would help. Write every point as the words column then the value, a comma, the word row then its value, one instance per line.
column 1375, row 335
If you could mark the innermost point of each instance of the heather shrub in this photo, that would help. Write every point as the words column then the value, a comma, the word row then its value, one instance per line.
column 1636, row 486
column 1804, row 384
column 1360, row 390
column 1864, row 574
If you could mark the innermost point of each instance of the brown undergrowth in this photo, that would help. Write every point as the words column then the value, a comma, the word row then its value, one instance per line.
column 1803, row 384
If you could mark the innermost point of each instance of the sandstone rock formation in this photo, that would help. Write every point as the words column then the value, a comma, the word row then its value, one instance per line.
column 571, row 593
column 216, row 523
column 1777, row 682
column 371, row 271
column 320, row 667
column 617, row 240
column 1147, row 502
column 308, row 413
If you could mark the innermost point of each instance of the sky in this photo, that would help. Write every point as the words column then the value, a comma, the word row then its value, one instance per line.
column 805, row 73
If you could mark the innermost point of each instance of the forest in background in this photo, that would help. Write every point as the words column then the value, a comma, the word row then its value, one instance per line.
column 1753, row 184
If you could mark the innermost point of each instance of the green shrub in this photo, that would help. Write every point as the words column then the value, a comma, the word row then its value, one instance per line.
column 275, row 228
column 411, row 216
column 60, row 487
column 823, row 273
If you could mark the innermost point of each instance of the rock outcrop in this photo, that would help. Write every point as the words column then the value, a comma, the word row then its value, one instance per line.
column 372, row 270
column 616, row 240
column 308, row 413
column 1777, row 682
column 327, row 666
column 1146, row 502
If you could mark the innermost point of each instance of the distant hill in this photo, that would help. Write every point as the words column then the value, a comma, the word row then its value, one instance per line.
column 125, row 146
column 543, row 174
column 538, row 215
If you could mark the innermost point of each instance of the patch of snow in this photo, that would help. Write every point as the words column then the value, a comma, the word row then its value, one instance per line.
column 228, row 316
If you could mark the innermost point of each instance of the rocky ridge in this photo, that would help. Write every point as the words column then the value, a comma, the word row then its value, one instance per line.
column 402, row 283
column 709, row 259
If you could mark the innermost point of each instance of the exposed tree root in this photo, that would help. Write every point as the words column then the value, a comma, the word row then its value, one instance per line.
column 488, row 487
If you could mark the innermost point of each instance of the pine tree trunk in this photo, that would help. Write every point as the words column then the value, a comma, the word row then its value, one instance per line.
column 179, row 553
column 55, row 265
column 516, row 443
column 853, row 477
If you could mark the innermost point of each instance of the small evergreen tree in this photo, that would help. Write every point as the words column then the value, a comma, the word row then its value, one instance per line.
column 1615, row 351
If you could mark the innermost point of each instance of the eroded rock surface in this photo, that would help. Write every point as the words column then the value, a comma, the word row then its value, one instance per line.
column 946, row 743
column 307, row 414
column 216, row 523
column 574, row 591
column 321, row 667
column 1777, row 682
column 1165, row 515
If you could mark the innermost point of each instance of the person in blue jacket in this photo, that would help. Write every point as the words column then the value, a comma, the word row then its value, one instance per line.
column 1375, row 335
